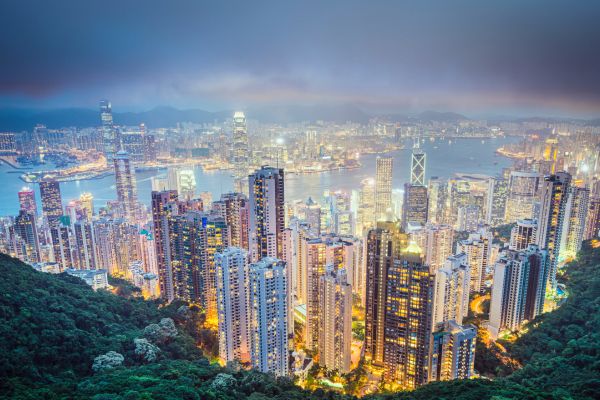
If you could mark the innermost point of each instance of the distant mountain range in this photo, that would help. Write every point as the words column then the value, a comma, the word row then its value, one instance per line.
column 17, row 119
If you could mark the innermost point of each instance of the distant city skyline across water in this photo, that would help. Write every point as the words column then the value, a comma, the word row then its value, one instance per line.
column 444, row 159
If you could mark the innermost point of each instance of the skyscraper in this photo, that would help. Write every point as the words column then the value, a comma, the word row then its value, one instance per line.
column 314, row 261
column 417, row 167
column 87, row 204
column 126, row 184
column 576, row 211
column 408, row 319
column 496, row 201
column 51, row 201
column 437, row 192
column 382, row 245
column 232, row 282
column 451, row 291
column 335, row 321
column 478, row 249
column 234, row 208
column 522, row 194
column 519, row 288
column 553, row 198
column 27, row 201
column 366, row 206
column 26, row 229
column 453, row 352
column 108, row 131
column 414, row 209
column 241, row 152
column 267, row 213
column 439, row 241
column 269, row 320
column 85, row 244
column 383, row 186
column 160, row 221
column 592, row 222
column 523, row 234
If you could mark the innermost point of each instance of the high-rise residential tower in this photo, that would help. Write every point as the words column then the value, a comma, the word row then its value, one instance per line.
column 452, row 352
column 268, row 326
column 267, row 213
column 554, row 193
column 335, row 321
column 232, row 282
column 415, row 207
column 519, row 288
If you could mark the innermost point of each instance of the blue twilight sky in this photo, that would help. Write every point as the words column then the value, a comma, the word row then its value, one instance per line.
column 475, row 57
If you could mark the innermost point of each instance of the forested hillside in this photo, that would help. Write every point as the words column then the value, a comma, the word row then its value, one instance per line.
column 60, row 339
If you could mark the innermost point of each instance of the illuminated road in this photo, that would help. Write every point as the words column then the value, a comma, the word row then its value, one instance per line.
column 477, row 304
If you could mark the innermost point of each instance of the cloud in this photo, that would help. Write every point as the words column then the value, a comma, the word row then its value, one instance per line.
column 453, row 55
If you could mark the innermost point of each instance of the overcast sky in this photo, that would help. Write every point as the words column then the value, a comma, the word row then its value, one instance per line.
column 520, row 57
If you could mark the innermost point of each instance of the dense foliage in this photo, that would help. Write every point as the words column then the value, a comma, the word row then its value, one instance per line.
column 53, row 328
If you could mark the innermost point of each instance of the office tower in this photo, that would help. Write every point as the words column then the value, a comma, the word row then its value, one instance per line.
column 126, row 184
column 417, row 167
column 234, row 208
column 452, row 352
column 267, row 213
column 160, row 215
column 383, row 187
column 232, row 304
column 522, row 194
column 451, row 291
column 576, row 211
column 27, row 201
column 523, row 234
column 409, row 287
column 85, row 244
column 519, row 288
column 460, row 195
column 414, row 208
column 108, row 131
column 268, row 317
column 335, row 321
column 87, row 204
column 553, row 198
column 366, row 206
column 343, row 222
column 26, row 230
column 240, row 151
column 478, row 249
column 438, row 243
column 592, row 222
column 51, row 201
column 132, row 140
column 496, row 201
column 438, row 197
column 382, row 245
column 468, row 218
column 312, row 215
column 182, row 180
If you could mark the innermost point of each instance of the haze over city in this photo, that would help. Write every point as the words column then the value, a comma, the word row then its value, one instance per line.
column 299, row 200
column 480, row 59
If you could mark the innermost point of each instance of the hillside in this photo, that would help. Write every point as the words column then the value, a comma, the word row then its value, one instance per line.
column 53, row 328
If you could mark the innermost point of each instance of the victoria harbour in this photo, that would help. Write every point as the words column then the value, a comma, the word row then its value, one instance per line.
column 447, row 157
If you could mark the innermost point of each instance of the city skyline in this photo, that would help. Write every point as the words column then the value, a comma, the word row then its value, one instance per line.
column 319, row 230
